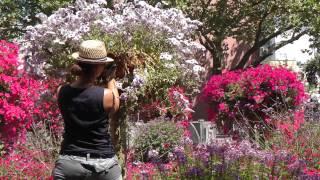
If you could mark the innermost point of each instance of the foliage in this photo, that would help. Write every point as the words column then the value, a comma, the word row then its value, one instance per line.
column 157, row 138
column 245, row 96
column 252, row 23
column 312, row 70
column 16, row 15
column 159, row 80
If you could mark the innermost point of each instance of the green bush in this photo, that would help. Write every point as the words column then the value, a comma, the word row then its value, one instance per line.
column 161, row 136
column 312, row 69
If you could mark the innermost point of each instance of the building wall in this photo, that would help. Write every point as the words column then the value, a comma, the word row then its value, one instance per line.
column 294, row 51
column 234, row 52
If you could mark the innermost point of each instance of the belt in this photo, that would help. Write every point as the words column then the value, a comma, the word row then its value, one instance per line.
column 91, row 155
column 99, row 164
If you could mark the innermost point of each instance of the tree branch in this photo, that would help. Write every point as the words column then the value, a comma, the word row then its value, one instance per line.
column 256, row 46
column 280, row 45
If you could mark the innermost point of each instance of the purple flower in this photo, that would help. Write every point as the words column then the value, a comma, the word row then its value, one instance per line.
column 297, row 167
column 215, row 150
column 219, row 168
column 180, row 155
column 124, row 96
column 194, row 172
column 137, row 81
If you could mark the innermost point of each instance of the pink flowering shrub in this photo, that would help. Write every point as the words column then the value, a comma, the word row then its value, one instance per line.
column 180, row 105
column 25, row 102
column 248, row 94
column 47, row 113
column 24, row 163
column 30, row 122
column 18, row 94
column 151, row 110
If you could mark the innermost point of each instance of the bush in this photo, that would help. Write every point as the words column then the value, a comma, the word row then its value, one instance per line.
column 157, row 139
column 25, row 101
column 245, row 96
column 18, row 94
column 312, row 70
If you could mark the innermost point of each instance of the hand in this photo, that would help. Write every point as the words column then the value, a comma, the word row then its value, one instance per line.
column 109, row 72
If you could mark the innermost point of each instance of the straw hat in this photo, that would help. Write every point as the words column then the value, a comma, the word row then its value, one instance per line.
column 92, row 52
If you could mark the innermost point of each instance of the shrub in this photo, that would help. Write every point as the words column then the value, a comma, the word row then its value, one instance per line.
column 244, row 96
column 19, row 93
column 312, row 70
column 156, row 140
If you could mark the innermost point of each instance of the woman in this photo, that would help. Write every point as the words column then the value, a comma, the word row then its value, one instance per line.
column 87, row 151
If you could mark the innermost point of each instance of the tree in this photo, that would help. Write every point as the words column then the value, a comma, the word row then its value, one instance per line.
column 312, row 70
column 16, row 15
column 251, row 22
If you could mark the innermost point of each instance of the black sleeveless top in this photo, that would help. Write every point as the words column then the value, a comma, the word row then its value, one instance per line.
column 85, row 122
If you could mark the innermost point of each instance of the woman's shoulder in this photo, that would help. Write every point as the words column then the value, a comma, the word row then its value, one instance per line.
column 62, row 86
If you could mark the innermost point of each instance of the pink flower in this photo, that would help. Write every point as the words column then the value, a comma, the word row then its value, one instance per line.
column 23, row 104
column 238, row 93
column 223, row 107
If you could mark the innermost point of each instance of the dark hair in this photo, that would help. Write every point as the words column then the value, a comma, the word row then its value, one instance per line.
column 82, row 68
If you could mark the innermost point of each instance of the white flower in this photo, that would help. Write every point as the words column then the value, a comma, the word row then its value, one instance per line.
column 165, row 56
column 137, row 81
column 153, row 153
column 58, row 41
column 180, row 36
column 192, row 61
column 170, row 65
column 119, row 85
column 42, row 17
column 174, row 41
column 188, row 110
column 198, row 68
column 101, row 2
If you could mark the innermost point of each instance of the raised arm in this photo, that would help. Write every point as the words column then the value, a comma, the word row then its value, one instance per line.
column 111, row 97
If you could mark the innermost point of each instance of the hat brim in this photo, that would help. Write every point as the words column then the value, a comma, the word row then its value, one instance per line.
column 91, row 61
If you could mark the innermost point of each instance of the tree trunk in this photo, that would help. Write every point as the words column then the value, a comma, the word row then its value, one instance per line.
column 217, row 59
column 244, row 60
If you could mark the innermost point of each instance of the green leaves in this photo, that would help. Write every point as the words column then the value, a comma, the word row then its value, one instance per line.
column 161, row 136
column 16, row 15
column 312, row 70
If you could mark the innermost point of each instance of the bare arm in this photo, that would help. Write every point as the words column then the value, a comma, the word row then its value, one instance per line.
column 111, row 104
column 111, row 97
